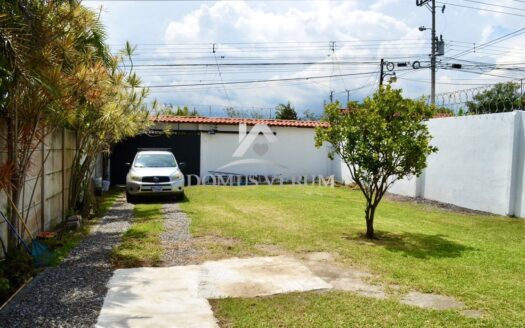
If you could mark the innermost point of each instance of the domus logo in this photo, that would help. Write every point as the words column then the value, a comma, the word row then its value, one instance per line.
column 260, row 146
column 247, row 140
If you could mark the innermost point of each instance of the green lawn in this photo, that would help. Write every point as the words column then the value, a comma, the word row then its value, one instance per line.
column 141, row 245
column 477, row 259
column 334, row 309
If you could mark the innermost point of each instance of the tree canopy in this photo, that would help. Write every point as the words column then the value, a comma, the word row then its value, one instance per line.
column 502, row 97
column 179, row 111
column 309, row 115
column 382, row 140
column 285, row 112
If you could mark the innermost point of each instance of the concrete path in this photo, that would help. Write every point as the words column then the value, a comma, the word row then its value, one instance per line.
column 177, row 296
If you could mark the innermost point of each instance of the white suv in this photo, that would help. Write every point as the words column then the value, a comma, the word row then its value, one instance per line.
column 154, row 173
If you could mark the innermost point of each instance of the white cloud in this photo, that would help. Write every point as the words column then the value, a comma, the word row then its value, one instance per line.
column 217, row 22
column 322, row 21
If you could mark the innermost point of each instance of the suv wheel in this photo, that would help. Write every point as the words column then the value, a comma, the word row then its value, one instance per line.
column 130, row 199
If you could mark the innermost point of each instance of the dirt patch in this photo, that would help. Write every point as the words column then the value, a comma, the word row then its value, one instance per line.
column 213, row 247
column 218, row 240
column 342, row 277
column 351, row 279
column 320, row 257
column 475, row 314
column 432, row 301
column 271, row 249
column 435, row 204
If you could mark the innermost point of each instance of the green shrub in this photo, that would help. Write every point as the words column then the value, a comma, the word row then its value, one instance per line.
column 15, row 271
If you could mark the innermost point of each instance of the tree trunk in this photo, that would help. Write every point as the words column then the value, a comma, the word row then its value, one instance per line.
column 370, row 212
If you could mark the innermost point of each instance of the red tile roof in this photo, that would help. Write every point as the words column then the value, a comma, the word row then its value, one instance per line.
column 442, row 115
column 234, row 121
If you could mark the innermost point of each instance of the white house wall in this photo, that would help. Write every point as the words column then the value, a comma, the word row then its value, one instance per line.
column 292, row 154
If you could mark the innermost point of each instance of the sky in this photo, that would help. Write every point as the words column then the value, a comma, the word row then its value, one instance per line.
column 196, row 53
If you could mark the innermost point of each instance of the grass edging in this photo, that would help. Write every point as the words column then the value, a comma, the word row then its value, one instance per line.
column 141, row 245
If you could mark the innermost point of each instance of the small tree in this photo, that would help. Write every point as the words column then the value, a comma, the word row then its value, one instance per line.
column 382, row 140
column 309, row 115
column 285, row 112
column 232, row 112
column 180, row 111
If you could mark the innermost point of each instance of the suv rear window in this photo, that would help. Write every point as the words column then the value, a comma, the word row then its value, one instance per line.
column 155, row 160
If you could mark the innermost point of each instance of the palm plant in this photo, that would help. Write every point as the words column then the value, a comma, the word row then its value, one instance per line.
column 56, row 71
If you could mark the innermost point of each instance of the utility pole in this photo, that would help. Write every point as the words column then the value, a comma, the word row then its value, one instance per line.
column 347, row 97
column 390, row 72
column 431, row 5
column 331, row 96
column 433, row 56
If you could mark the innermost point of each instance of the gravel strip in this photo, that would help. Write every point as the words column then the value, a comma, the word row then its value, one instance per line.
column 72, row 294
column 176, row 239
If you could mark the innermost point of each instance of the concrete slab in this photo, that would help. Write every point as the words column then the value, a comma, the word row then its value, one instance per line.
column 156, row 297
column 257, row 276
column 177, row 296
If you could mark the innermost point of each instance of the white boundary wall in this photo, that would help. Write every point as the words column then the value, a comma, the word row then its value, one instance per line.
column 479, row 164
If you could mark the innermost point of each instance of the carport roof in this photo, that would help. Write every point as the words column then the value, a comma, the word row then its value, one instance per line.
column 234, row 121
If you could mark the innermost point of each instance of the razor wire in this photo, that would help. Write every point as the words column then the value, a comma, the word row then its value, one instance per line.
column 494, row 98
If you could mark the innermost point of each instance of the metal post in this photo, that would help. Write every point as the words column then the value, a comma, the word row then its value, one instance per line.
column 381, row 72
column 42, row 185
column 63, row 175
column 521, row 95
column 433, row 56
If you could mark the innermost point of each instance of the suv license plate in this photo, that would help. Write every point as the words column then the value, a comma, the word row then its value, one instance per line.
column 156, row 188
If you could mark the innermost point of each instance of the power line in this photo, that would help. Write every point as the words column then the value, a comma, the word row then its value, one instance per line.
column 492, row 42
column 493, row 5
column 253, row 64
column 220, row 76
column 280, row 43
column 477, row 8
column 258, row 81
column 445, row 83
column 479, row 73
